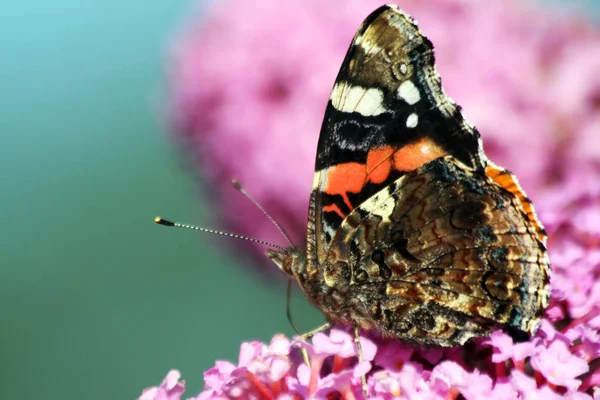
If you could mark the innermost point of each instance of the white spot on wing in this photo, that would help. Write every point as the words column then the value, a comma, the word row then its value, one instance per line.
column 409, row 92
column 412, row 120
column 365, row 101
column 383, row 209
column 403, row 68
column 316, row 180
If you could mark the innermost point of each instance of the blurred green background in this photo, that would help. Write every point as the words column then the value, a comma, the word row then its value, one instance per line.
column 96, row 301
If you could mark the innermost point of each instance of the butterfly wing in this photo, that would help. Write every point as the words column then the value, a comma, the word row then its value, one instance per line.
column 387, row 114
column 412, row 231
column 441, row 255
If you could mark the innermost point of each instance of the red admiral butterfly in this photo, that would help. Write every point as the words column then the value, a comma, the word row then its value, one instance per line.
column 412, row 231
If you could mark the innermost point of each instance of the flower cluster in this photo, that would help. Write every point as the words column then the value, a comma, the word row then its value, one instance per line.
column 550, row 366
column 259, row 81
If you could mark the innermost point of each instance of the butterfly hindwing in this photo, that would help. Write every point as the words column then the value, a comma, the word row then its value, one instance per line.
column 440, row 256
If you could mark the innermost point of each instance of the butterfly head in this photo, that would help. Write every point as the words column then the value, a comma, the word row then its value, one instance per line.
column 291, row 261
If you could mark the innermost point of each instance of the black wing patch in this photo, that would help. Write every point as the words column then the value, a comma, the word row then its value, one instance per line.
column 388, row 93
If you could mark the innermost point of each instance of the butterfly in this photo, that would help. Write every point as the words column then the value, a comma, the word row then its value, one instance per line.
column 412, row 231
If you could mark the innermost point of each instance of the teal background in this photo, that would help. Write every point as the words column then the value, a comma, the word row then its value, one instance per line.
column 96, row 301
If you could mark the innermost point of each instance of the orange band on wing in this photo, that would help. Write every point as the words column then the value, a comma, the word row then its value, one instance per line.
column 333, row 207
column 351, row 177
column 379, row 164
column 345, row 178
column 417, row 154
column 508, row 181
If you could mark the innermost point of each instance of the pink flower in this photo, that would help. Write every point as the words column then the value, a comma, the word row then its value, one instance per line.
column 529, row 390
column 559, row 366
column 449, row 377
column 170, row 388
column 410, row 383
column 505, row 349
column 213, row 378
column 589, row 349
column 346, row 382
column 396, row 369
column 394, row 356
column 338, row 342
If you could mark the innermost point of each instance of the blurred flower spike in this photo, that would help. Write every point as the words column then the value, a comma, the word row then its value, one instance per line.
column 248, row 92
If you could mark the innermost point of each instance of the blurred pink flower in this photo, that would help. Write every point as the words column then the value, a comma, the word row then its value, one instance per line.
column 506, row 349
column 559, row 366
column 248, row 92
column 170, row 388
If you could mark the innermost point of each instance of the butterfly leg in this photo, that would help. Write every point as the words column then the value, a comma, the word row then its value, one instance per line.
column 359, row 352
column 320, row 329
column 310, row 334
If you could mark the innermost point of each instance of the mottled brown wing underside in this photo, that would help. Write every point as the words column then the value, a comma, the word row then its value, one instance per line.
column 440, row 256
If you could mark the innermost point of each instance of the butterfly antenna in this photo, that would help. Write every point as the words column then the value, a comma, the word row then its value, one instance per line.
column 165, row 222
column 240, row 189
